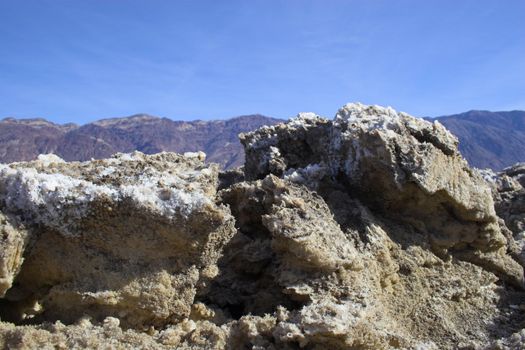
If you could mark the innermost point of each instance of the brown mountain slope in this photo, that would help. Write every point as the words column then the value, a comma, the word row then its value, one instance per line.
column 489, row 139
column 26, row 139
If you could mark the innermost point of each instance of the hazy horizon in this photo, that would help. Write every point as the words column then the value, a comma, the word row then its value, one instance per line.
column 81, row 61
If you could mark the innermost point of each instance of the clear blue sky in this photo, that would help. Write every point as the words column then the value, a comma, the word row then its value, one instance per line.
column 81, row 60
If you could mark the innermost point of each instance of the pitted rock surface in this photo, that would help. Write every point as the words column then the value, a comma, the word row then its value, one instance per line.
column 132, row 237
column 368, row 231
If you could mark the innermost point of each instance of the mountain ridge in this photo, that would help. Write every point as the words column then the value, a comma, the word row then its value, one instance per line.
column 25, row 139
column 366, row 231
column 487, row 139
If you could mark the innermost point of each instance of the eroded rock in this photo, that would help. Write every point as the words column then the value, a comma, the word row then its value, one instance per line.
column 369, row 231
column 360, row 288
column 132, row 237
column 406, row 168
column 509, row 198
column 13, row 243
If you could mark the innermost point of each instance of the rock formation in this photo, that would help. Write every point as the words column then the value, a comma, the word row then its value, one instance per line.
column 368, row 231
column 133, row 237
column 406, row 168
column 509, row 197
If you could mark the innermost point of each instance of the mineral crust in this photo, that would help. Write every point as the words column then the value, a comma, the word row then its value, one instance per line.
column 368, row 231
column 132, row 237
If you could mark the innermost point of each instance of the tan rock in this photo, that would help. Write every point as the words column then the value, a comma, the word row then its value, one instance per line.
column 132, row 237
column 13, row 242
column 366, row 232
column 405, row 168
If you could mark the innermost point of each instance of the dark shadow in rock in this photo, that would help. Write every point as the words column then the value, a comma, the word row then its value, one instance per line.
column 512, row 314
column 230, row 177
column 247, row 283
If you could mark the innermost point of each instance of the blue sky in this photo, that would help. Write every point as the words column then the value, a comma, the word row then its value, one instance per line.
column 78, row 61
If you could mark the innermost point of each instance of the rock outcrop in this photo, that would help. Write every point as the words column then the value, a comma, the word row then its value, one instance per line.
column 368, row 231
column 509, row 197
column 406, row 168
column 133, row 237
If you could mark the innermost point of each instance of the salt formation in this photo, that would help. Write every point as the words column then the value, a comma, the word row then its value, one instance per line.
column 508, row 189
column 133, row 237
column 510, row 197
column 398, row 165
column 369, row 231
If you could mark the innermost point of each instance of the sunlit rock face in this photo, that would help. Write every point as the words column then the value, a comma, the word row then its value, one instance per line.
column 402, row 167
column 368, row 231
column 132, row 237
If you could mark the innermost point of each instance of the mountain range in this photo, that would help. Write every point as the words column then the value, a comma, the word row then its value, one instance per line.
column 25, row 139
column 487, row 139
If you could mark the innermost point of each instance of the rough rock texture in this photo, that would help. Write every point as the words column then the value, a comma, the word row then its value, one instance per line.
column 509, row 197
column 133, row 237
column 340, row 290
column 403, row 167
column 13, row 243
column 369, row 231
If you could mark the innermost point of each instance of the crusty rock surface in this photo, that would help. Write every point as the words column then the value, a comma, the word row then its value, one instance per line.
column 368, row 231
column 345, row 284
column 132, row 237
column 406, row 168
column 13, row 242
column 509, row 197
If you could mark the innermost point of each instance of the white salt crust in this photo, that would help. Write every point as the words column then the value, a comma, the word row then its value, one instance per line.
column 52, row 199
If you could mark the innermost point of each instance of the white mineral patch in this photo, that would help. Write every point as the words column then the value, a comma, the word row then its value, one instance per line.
column 330, row 317
column 48, row 199
column 56, row 199
column 488, row 175
column 310, row 176
column 301, row 119
column 368, row 117
column 107, row 171
column 50, row 158
column 199, row 155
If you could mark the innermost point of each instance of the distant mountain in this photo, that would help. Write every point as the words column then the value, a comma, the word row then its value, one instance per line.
column 25, row 139
column 489, row 139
